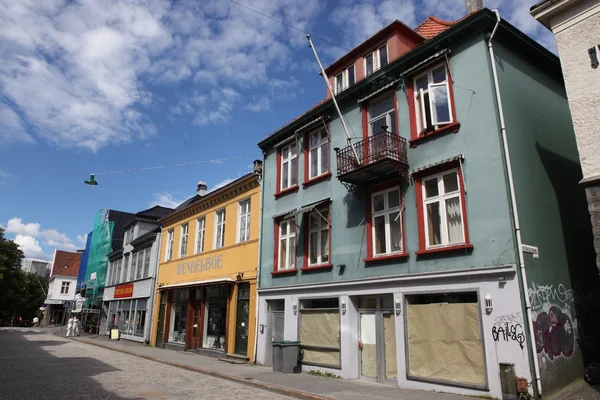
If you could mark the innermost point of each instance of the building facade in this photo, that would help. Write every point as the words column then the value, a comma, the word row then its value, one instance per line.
column 39, row 267
column 130, row 281
column 61, row 288
column 206, row 284
column 391, row 256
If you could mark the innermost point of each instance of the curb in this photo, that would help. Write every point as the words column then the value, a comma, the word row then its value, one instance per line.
column 299, row 394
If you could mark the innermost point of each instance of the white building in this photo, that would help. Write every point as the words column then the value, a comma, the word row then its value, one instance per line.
column 576, row 28
column 130, row 282
column 38, row 267
column 61, row 293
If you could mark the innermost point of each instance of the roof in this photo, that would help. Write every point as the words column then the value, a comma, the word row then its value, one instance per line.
column 146, row 237
column 121, row 219
column 540, row 4
column 155, row 212
column 433, row 26
column 63, row 259
column 72, row 269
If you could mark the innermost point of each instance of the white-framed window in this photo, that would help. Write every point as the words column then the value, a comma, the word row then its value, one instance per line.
column 184, row 240
column 376, row 60
column 318, row 237
column 433, row 104
column 381, row 112
column 345, row 79
column 147, row 254
column 386, row 223
column 289, row 166
column 442, row 205
column 125, row 276
column 244, row 221
column 318, row 154
column 117, row 277
column 169, row 249
column 287, row 245
column 200, row 230
column 134, row 261
column 64, row 287
column 140, row 264
column 219, row 229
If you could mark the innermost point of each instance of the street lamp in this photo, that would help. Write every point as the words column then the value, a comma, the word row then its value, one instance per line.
column 91, row 181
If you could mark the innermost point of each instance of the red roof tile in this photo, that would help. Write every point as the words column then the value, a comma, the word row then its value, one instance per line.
column 63, row 260
column 432, row 27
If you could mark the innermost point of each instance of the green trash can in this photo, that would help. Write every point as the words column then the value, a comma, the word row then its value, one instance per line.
column 277, row 354
column 291, row 357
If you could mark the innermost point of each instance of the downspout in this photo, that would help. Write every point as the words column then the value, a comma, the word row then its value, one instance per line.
column 515, row 212
column 150, row 318
column 260, row 227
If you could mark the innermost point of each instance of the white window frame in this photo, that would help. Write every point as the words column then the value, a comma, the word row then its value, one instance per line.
column 386, row 212
column 420, row 109
column 169, row 247
column 147, row 261
column 289, row 237
column 376, row 59
column 345, row 76
column 219, row 242
column 288, row 156
column 64, row 287
column 183, row 239
column 323, row 139
column 244, row 211
column 322, row 225
column 442, row 197
column 200, row 234
column 389, row 121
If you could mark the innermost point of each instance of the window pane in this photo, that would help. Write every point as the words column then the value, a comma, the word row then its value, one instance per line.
column 351, row 76
column 294, row 179
column 293, row 149
column 383, row 59
column 396, row 231
column 381, row 106
column 324, row 157
column 339, row 83
column 440, row 106
column 431, row 188
column 314, row 220
column 369, row 60
column 313, row 247
column 292, row 253
column 325, row 245
column 377, row 125
column 450, row 182
column 314, row 139
column 314, row 162
column 433, row 223
column 283, row 228
column 284, row 175
column 391, row 123
column 454, row 220
column 378, row 204
column 379, row 230
column 394, row 199
column 283, row 253
column 439, row 74
column 421, row 83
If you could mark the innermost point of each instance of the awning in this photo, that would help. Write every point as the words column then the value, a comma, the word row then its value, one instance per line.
column 286, row 141
column 435, row 164
column 281, row 214
column 197, row 283
column 296, row 211
column 312, row 123
column 439, row 54
column 381, row 89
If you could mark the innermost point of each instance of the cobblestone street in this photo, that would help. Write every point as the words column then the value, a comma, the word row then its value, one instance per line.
column 42, row 366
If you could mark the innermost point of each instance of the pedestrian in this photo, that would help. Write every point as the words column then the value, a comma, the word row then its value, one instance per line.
column 75, row 326
column 70, row 327
column 36, row 320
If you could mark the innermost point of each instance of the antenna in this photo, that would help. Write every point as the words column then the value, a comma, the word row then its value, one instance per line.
column 348, row 138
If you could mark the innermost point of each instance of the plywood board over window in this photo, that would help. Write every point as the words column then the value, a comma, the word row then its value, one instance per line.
column 444, row 342
column 319, row 332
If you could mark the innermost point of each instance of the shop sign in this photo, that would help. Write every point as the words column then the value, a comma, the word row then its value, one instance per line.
column 203, row 264
column 78, row 305
column 49, row 301
column 124, row 291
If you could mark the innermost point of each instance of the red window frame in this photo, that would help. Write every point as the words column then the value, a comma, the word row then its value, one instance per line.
column 365, row 115
column 369, row 223
column 276, row 270
column 279, row 192
column 453, row 127
column 324, row 176
column 305, row 237
column 418, row 178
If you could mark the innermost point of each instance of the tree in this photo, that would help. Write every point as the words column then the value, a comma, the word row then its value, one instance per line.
column 21, row 294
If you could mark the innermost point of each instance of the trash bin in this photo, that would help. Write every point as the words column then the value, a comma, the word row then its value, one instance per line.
column 291, row 357
column 277, row 356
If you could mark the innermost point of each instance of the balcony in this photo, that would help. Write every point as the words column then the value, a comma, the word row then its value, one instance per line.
column 381, row 157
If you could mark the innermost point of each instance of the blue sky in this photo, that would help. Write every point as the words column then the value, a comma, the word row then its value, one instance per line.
column 96, row 85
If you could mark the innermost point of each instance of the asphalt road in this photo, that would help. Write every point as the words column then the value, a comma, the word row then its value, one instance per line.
column 41, row 366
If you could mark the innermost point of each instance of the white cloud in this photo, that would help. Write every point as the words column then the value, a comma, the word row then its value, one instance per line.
column 82, row 239
column 259, row 105
column 30, row 246
column 49, row 237
column 12, row 128
column 166, row 199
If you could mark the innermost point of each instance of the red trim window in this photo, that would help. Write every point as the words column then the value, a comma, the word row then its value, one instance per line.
column 441, row 211
column 285, row 245
column 287, row 166
column 317, row 238
column 380, row 112
column 385, row 224
column 316, row 154
column 432, row 107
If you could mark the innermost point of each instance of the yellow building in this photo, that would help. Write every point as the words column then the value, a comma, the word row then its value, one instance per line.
column 206, row 283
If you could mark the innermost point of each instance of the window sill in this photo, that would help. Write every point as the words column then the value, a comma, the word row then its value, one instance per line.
column 399, row 256
column 286, row 191
column 453, row 127
column 285, row 272
column 317, row 179
column 465, row 246
column 319, row 267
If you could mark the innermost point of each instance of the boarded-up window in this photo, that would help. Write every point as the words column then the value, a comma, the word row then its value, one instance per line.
column 320, row 332
column 444, row 338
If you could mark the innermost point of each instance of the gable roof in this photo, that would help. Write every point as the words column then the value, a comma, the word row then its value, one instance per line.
column 155, row 212
column 63, row 259
column 433, row 26
column 72, row 269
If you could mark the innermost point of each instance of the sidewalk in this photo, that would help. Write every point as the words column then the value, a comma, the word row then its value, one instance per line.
column 301, row 386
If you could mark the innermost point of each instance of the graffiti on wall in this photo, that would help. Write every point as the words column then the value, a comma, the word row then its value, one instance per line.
column 509, row 328
column 547, row 294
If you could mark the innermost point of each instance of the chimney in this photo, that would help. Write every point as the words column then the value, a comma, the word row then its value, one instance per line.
column 473, row 5
column 201, row 189
column 257, row 167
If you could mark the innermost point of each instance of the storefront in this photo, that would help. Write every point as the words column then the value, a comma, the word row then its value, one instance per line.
column 206, row 281
column 127, row 307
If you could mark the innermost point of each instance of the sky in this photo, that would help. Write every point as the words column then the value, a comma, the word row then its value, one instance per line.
column 92, row 86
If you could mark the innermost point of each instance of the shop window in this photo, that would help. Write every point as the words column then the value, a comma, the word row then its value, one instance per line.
column 215, row 320
column 139, row 321
column 460, row 340
column 179, row 306
column 320, row 332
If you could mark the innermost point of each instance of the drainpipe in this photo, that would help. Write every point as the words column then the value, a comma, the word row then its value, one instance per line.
column 514, row 209
column 260, row 227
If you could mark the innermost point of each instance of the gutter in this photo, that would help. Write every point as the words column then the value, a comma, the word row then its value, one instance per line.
column 517, row 225
column 260, row 228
